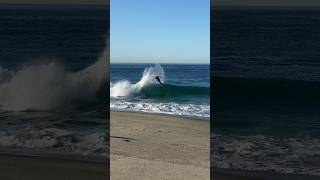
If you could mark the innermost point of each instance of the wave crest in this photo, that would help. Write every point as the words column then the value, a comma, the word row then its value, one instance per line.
column 126, row 89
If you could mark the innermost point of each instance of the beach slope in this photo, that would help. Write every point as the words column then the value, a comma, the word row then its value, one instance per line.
column 149, row 146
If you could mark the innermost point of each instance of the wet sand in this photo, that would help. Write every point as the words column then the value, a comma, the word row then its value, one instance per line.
column 235, row 174
column 13, row 167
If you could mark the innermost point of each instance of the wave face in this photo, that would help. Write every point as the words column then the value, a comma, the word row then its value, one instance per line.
column 266, row 91
column 172, row 91
column 148, row 95
column 49, row 86
column 289, row 104
column 266, row 124
column 149, row 87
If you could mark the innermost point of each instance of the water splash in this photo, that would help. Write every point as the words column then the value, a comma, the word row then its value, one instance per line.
column 49, row 85
column 125, row 88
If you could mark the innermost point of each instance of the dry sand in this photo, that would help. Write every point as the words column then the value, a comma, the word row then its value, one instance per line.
column 149, row 146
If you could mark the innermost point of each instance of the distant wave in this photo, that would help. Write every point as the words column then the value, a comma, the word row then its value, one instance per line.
column 278, row 107
column 47, row 86
column 233, row 91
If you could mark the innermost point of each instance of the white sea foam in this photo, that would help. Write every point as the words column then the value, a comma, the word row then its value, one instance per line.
column 94, row 143
column 49, row 85
column 263, row 153
column 191, row 110
column 127, row 89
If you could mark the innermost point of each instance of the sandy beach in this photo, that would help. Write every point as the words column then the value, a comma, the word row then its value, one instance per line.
column 150, row 146
column 14, row 167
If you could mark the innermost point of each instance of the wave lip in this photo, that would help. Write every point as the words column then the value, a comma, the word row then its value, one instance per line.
column 124, row 88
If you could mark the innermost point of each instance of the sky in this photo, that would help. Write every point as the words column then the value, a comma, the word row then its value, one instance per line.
column 165, row 31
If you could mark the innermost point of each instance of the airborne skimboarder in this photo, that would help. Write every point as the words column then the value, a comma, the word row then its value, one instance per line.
column 157, row 78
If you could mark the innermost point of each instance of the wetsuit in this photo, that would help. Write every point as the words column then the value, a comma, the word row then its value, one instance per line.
column 157, row 78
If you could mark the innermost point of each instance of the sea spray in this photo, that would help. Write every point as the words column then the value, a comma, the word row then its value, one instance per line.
column 47, row 86
column 124, row 88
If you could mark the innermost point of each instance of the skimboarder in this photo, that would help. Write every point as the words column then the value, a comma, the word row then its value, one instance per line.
column 157, row 78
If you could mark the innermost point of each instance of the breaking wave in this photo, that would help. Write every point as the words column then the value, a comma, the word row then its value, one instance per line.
column 148, row 95
column 149, row 87
column 50, row 85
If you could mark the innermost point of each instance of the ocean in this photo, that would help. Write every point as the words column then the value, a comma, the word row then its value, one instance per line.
column 266, row 81
column 185, row 90
column 53, row 79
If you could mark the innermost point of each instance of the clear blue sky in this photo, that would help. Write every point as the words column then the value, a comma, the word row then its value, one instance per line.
column 160, row 31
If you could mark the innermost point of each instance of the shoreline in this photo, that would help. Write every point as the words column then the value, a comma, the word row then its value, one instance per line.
column 145, row 145
column 164, row 114
column 28, row 164
column 32, row 153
